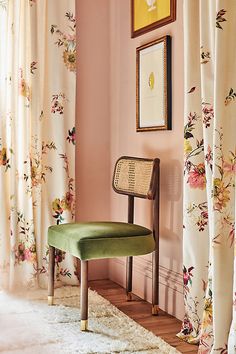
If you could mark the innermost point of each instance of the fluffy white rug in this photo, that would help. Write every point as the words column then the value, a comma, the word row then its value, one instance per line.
column 29, row 325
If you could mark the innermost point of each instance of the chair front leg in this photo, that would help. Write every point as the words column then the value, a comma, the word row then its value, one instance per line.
column 51, row 268
column 84, row 296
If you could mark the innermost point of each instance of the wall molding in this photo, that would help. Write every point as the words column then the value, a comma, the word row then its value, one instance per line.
column 167, row 277
column 171, row 283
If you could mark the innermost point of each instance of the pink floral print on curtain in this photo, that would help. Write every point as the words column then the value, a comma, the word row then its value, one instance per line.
column 209, row 175
column 37, row 137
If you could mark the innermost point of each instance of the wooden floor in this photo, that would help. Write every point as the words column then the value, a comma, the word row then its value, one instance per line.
column 163, row 325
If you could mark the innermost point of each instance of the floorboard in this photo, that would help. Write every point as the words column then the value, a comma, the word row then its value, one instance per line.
column 163, row 325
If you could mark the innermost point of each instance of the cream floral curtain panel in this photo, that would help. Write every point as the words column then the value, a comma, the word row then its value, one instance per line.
column 209, row 180
column 37, row 136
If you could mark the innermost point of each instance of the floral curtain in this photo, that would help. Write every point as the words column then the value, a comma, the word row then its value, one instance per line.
column 37, row 137
column 209, row 176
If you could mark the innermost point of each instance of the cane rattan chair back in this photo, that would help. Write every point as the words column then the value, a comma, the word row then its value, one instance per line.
column 136, row 177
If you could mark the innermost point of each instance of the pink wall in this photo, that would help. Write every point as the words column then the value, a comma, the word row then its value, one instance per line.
column 93, row 118
column 106, row 123
column 167, row 145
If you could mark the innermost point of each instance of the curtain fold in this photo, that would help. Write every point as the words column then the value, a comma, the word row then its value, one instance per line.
column 37, row 137
column 209, row 176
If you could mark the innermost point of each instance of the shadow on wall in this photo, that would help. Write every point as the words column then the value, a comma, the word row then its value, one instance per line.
column 171, row 229
column 171, row 191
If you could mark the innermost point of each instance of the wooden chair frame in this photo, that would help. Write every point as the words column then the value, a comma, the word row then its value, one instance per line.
column 153, row 194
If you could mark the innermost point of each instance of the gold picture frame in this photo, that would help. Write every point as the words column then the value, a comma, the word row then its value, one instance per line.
column 147, row 15
column 153, row 85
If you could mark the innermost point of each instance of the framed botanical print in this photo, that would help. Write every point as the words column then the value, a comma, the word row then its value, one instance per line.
column 147, row 15
column 153, row 85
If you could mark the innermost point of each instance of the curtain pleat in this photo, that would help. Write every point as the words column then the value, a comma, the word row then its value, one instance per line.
column 37, row 137
column 209, row 175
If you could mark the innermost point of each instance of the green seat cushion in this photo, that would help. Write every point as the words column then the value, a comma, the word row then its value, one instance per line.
column 94, row 240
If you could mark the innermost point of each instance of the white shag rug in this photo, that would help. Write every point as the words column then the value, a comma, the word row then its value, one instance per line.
column 29, row 326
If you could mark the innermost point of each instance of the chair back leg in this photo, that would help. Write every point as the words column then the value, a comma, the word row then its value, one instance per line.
column 51, row 269
column 129, row 260
column 156, row 252
column 84, row 296
column 155, row 282
column 129, row 276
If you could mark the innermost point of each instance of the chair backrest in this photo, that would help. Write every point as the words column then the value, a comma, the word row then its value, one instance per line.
column 136, row 177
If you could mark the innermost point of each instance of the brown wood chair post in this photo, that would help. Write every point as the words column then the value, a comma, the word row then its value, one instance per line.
column 51, row 269
column 84, row 296
column 155, row 254
column 129, row 260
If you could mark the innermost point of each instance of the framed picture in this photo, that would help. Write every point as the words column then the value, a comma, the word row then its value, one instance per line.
column 147, row 15
column 153, row 85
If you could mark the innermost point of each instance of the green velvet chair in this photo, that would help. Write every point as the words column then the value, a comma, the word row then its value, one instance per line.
column 134, row 177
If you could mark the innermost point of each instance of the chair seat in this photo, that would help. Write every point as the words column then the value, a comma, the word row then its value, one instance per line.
column 94, row 240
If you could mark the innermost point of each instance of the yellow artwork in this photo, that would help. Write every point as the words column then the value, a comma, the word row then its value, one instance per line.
column 153, row 85
column 149, row 14
column 152, row 97
column 151, row 80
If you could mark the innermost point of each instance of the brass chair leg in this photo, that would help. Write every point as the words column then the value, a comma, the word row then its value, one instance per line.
column 155, row 310
column 84, row 296
column 50, row 300
column 51, row 268
column 84, row 325
column 129, row 296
